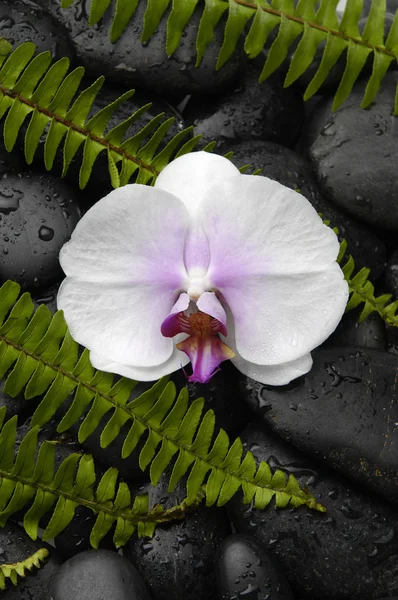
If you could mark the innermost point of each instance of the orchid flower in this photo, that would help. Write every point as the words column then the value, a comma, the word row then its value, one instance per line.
column 205, row 266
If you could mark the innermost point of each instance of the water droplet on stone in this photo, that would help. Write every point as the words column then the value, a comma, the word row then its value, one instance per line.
column 46, row 233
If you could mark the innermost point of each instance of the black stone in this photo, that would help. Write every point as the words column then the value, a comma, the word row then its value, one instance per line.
column 252, row 111
column 15, row 406
column 347, row 553
column 15, row 546
column 37, row 216
column 75, row 538
column 392, row 337
column 21, row 22
column 294, row 171
column 354, row 153
column 221, row 395
column 47, row 296
column 99, row 575
column 371, row 333
column 244, row 569
column 130, row 63
column 344, row 411
column 392, row 274
column 178, row 562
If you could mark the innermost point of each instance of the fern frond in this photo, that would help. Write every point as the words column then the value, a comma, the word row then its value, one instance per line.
column 313, row 26
column 28, row 483
column 362, row 291
column 30, row 87
column 43, row 359
column 11, row 571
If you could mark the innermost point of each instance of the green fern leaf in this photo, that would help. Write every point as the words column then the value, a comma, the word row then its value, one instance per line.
column 11, row 571
column 312, row 23
column 30, row 485
column 32, row 89
column 42, row 358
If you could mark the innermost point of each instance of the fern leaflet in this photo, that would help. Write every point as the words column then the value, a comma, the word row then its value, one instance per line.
column 12, row 570
column 43, row 359
column 313, row 26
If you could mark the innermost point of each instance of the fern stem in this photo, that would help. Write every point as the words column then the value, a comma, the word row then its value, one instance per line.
column 82, row 130
column 174, row 513
column 301, row 21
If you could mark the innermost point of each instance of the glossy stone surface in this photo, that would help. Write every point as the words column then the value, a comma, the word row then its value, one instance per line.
column 245, row 569
column 347, row 553
column 354, row 153
column 21, row 22
column 344, row 411
column 99, row 575
column 37, row 216
column 178, row 562
column 252, row 111
column 371, row 333
column 15, row 546
column 392, row 274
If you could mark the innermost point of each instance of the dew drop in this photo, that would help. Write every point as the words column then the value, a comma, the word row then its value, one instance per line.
column 46, row 233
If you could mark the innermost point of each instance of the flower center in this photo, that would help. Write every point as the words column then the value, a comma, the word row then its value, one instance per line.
column 199, row 323
column 197, row 286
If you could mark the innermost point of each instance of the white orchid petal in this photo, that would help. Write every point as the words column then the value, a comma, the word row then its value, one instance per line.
column 279, row 319
column 176, row 361
column 189, row 176
column 274, row 374
column 125, row 267
column 273, row 261
column 258, row 226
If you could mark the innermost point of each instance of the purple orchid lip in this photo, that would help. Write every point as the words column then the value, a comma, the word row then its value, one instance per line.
column 203, row 346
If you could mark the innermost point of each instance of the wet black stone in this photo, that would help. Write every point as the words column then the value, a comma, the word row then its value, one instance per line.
column 15, row 546
column 294, row 171
column 15, row 406
column 244, row 569
column 371, row 333
column 344, row 411
column 97, row 574
column 130, row 63
column 37, row 216
column 47, row 296
column 222, row 396
column 75, row 538
column 252, row 111
column 354, row 153
column 392, row 274
column 21, row 22
column 349, row 552
column 392, row 337
column 178, row 562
